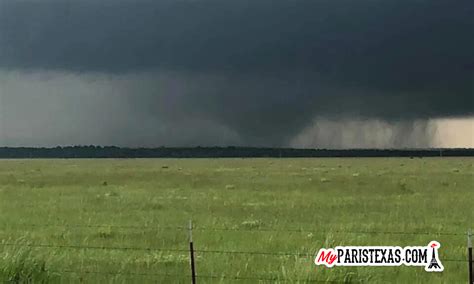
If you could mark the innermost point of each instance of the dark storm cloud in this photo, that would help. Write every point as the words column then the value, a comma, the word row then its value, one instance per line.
column 263, row 68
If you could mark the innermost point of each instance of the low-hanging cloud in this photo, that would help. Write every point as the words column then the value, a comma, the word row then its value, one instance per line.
column 256, row 72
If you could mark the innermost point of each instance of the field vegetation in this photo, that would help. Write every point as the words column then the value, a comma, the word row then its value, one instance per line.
column 255, row 220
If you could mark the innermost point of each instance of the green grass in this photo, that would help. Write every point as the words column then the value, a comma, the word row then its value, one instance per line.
column 266, row 205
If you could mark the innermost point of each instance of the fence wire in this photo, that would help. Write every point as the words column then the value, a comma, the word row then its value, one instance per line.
column 185, row 251
column 263, row 253
column 185, row 276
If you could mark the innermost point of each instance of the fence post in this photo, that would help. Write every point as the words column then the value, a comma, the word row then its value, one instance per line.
column 469, row 253
column 191, row 252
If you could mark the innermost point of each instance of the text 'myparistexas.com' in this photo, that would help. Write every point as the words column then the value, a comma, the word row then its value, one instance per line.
column 426, row 256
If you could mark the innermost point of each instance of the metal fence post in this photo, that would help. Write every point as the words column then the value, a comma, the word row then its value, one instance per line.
column 191, row 252
column 469, row 253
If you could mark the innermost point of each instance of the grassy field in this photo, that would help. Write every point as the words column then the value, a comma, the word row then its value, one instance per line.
column 56, row 217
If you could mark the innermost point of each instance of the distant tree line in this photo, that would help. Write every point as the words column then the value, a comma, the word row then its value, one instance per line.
column 218, row 152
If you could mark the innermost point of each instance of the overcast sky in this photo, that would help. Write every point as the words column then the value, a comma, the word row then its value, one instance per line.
column 301, row 73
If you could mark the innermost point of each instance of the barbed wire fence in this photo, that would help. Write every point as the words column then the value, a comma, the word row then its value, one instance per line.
column 193, row 275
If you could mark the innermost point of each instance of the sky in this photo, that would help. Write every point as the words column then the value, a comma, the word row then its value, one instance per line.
column 273, row 73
